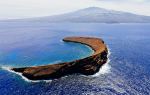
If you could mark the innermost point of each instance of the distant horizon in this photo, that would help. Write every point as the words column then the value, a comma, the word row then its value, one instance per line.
column 66, row 13
column 20, row 9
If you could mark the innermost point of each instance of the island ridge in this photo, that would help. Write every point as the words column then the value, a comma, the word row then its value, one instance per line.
column 86, row 66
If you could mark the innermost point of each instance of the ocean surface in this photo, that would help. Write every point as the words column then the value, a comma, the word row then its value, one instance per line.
column 40, row 43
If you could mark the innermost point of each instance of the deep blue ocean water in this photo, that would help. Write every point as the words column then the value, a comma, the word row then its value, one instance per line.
column 33, row 43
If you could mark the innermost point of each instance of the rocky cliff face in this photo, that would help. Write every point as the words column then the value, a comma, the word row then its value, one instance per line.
column 86, row 66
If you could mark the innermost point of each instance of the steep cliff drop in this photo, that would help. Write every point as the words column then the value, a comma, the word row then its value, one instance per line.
column 87, row 66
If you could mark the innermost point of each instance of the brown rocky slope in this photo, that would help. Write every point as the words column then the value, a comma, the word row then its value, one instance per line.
column 87, row 66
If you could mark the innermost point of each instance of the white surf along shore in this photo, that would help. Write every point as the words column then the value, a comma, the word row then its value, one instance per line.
column 103, row 70
column 106, row 68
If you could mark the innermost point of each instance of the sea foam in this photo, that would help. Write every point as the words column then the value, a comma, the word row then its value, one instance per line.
column 20, row 74
column 8, row 68
column 105, row 68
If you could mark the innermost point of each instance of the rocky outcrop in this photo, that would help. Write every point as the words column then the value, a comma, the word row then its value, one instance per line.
column 87, row 66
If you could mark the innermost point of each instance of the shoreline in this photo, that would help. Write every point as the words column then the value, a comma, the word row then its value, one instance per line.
column 101, row 71
column 86, row 66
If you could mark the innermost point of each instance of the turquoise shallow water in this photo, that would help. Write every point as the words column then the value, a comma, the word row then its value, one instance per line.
column 32, row 43
column 29, row 47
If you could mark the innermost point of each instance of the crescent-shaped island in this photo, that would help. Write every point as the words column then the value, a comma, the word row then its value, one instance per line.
column 86, row 66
